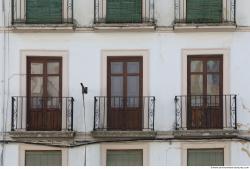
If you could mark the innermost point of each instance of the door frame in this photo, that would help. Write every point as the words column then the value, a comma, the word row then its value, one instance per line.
column 225, row 52
column 24, row 53
column 203, row 58
column 125, row 108
column 43, row 60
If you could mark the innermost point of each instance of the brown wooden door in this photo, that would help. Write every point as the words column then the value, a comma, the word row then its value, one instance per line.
column 205, row 90
column 124, row 93
column 44, row 84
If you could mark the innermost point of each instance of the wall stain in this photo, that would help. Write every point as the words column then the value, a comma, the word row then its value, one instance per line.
column 245, row 147
column 246, row 151
column 244, row 107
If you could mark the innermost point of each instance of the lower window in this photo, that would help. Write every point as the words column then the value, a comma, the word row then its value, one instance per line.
column 205, row 157
column 43, row 158
column 124, row 157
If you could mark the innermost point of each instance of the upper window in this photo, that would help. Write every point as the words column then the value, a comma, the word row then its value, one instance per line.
column 205, row 157
column 42, row 11
column 205, row 11
column 124, row 11
column 124, row 158
column 43, row 158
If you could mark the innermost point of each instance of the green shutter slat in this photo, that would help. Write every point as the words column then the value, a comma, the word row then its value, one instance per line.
column 43, row 158
column 44, row 11
column 204, row 11
column 206, row 157
column 124, row 11
column 124, row 158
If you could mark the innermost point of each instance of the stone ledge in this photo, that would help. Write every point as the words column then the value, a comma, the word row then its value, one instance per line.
column 42, row 27
column 124, row 27
column 124, row 134
column 217, row 133
column 42, row 134
column 205, row 27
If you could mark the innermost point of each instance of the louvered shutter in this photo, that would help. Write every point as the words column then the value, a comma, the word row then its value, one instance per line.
column 205, row 157
column 44, row 11
column 43, row 158
column 124, row 11
column 204, row 11
column 124, row 158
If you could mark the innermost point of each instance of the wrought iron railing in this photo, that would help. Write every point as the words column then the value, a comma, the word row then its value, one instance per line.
column 189, row 11
column 136, row 113
column 23, row 107
column 206, row 112
column 40, row 12
column 124, row 11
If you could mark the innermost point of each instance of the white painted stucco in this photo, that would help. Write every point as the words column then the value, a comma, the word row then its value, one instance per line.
column 164, row 75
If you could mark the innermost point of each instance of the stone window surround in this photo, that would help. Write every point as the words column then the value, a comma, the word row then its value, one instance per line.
column 44, row 53
column 206, row 51
column 136, row 52
column 206, row 145
column 27, row 147
column 124, row 146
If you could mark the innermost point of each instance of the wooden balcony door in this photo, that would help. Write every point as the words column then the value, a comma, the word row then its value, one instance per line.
column 124, row 93
column 44, row 84
column 205, row 90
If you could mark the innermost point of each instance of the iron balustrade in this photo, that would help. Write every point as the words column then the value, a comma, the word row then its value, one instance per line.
column 206, row 112
column 34, row 12
column 21, row 105
column 124, row 11
column 226, row 12
column 103, row 104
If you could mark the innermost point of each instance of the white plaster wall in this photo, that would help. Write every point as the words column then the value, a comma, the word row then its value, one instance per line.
column 1, row 13
column 240, row 153
column 11, row 156
column 243, row 12
column 164, row 12
column 76, row 156
column 1, row 82
column 164, row 154
column 160, row 153
column 84, row 12
column 164, row 66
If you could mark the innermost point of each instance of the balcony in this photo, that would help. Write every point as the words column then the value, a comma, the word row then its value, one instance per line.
column 205, row 14
column 124, row 14
column 45, row 14
column 206, row 115
column 42, row 117
column 124, row 116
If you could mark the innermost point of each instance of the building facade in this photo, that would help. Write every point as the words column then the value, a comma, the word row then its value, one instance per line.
column 164, row 82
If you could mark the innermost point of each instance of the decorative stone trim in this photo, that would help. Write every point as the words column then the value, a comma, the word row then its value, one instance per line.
column 124, row 27
column 42, row 134
column 124, row 134
column 194, row 134
column 204, row 28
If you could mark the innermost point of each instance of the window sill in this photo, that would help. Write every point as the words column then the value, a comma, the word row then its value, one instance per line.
column 123, row 134
column 42, row 27
column 183, row 27
column 42, row 134
column 206, row 133
column 143, row 27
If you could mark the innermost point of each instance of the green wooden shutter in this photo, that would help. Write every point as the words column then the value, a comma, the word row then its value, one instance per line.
column 43, row 158
column 124, row 11
column 204, row 11
column 44, row 11
column 124, row 158
column 205, row 157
